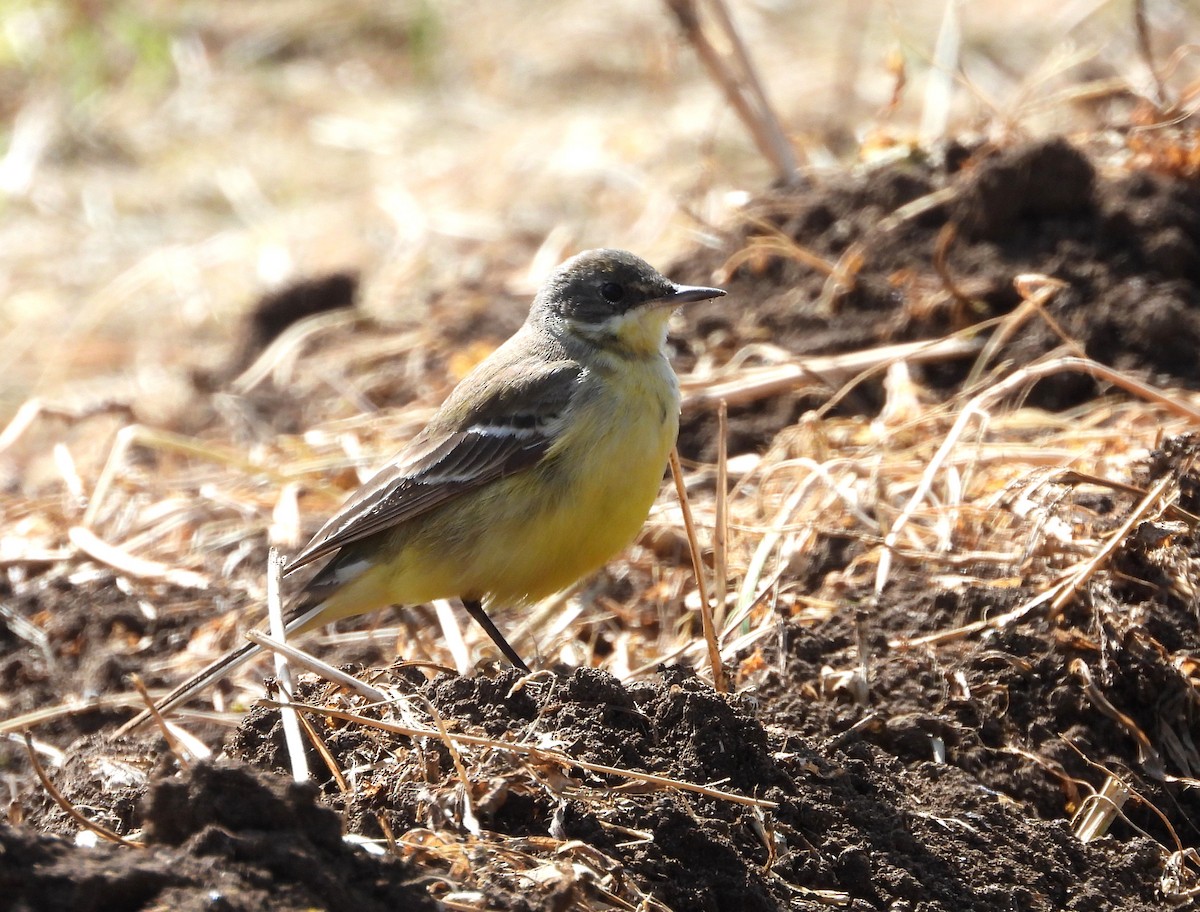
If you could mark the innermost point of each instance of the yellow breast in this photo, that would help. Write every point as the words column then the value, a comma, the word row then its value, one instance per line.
column 530, row 535
column 597, row 485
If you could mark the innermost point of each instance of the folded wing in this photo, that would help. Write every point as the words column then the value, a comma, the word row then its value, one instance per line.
column 468, row 443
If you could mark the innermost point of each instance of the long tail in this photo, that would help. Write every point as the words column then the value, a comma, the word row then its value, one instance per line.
column 225, row 665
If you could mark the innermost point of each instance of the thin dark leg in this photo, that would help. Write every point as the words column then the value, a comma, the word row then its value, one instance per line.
column 475, row 609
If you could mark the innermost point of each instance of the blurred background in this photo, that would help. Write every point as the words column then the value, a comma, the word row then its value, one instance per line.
column 163, row 164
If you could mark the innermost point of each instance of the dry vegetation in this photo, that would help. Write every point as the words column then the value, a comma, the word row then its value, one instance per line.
column 953, row 555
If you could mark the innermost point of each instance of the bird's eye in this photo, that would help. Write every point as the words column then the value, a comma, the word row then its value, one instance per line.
column 612, row 292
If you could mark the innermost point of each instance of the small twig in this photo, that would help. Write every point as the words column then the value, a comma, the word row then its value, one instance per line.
column 1074, row 476
column 993, row 622
column 386, row 828
column 1154, row 502
column 774, row 242
column 743, row 90
column 1031, row 303
column 783, row 156
column 1142, row 28
column 1148, row 756
column 842, row 280
column 130, row 564
column 319, row 745
column 706, row 618
column 941, row 266
column 1038, row 289
column 469, row 819
column 324, row 669
column 721, row 521
column 168, row 735
column 65, row 710
column 61, row 800
column 764, row 383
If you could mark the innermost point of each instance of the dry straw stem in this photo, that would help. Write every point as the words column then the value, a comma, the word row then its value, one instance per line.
column 977, row 409
column 278, row 361
column 292, row 654
column 772, row 244
column 1066, row 586
column 738, row 78
column 754, row 384
column 324, row 669
column 1153, row 504
column 721, row 521
column 470, row 820
column 105, row 703
column 1130, row 792
column 159, row 440
column 283, row 673
column 706, row 611
column 1035, row 292
column 1148, row 756
column 1063, row 586
column 37, row 407
column 131, row 565
column 531, row 750
column 52, row 790
column 180, row 745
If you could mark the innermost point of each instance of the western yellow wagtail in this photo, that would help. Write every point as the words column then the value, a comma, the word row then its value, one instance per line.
column 540, row 466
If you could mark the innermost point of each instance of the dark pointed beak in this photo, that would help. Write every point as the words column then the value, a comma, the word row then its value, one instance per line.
column 686, row 294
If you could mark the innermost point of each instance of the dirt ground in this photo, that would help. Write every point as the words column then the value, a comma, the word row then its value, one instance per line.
column 900, row 753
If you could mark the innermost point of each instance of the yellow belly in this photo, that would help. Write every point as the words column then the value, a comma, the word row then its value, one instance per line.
column 582, row 522
column 530, row 535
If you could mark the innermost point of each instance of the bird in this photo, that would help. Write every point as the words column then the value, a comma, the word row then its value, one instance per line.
column 539, row 467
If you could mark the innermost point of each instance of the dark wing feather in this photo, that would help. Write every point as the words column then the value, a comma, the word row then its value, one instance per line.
column 506, row 429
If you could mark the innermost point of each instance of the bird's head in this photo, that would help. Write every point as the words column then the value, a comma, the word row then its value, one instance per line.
column 614, row 299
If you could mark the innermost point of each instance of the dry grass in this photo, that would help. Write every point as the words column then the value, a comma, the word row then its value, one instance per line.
column 976, row 491
column 444, row 174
